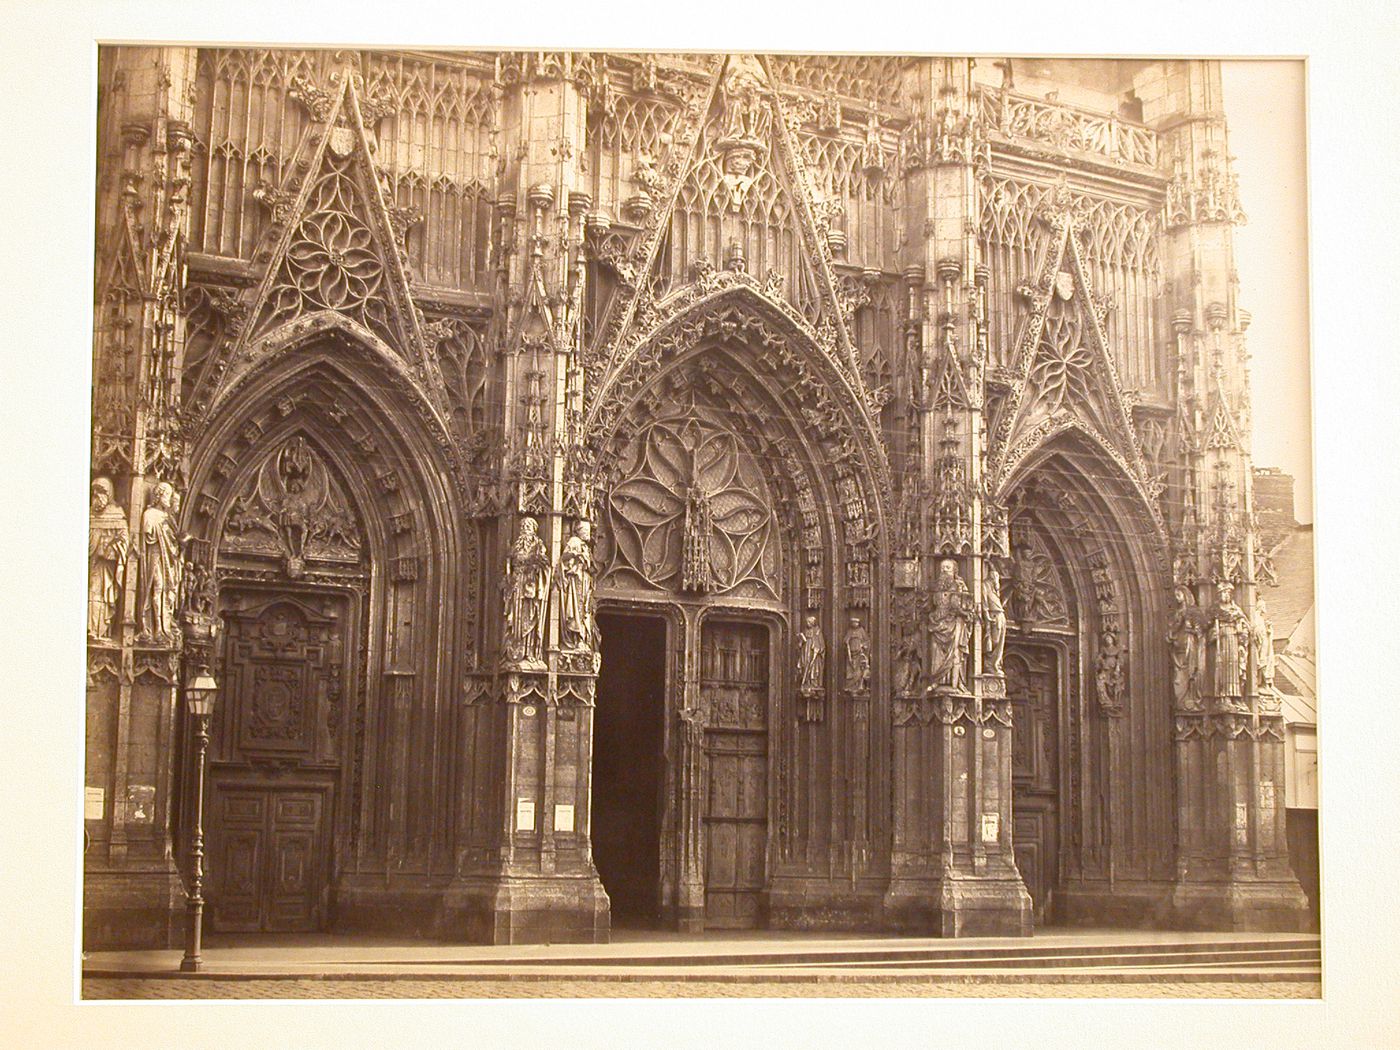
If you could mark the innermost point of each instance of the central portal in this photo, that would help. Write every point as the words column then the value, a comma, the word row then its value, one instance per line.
column 627, row 765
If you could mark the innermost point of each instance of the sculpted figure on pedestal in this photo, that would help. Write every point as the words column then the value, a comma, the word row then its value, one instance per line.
column 1108, row 673
column 993, row 621
column 526, row 584
column 108, row 544
column 951, row 629
column 574, row 578
column 1262, row 636
column 160, row 565
column 857, row 657
column 1187, row 653
column 1230, row 639
column 811, row 657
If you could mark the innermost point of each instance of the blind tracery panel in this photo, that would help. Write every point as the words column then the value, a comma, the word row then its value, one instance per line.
column 434, row 153
column 1121, row 254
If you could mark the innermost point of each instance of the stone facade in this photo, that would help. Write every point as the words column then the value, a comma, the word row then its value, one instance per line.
column 877, row 428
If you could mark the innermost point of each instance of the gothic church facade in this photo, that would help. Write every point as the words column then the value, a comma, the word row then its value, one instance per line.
column 680, row 490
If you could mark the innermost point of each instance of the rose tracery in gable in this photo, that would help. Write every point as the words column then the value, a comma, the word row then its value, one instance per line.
column 691, row 511
column 331, row 261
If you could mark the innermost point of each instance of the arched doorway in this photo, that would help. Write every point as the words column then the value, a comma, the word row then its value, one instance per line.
column 737, row 507
column 1091, row 771
column 327, row 526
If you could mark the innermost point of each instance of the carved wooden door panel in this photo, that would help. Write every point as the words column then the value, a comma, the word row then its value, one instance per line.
column 266, row 864
column 734, row 688
column 275, row 753
column 1032, row 685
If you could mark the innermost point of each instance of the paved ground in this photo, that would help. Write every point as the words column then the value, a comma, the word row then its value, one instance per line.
column 135, row 988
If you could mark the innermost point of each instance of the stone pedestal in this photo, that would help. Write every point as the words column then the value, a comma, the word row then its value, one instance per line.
column 133, row 907
column 525, row 910
column 1267, row 905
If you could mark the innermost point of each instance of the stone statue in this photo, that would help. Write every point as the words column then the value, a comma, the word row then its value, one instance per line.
column 857, row 657
column 160, row 565
column 951, row 629
column 108, row 543
column 909, row 665
column 526, row 583
column 1108, row 672
column 811, row 657
column 1262, row 636
column 1230, row 638
column 1186, row 654
column 574, row 578
column 993, row 621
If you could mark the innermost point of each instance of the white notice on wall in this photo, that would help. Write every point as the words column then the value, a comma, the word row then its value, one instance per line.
column 524, row 814
column 991, row 825
column 94, row 804
column 563, row 818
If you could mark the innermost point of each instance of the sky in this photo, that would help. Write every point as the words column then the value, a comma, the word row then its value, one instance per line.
column 1264, row 107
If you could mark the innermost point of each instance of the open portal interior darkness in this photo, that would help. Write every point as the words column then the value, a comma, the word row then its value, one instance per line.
column 627, row 765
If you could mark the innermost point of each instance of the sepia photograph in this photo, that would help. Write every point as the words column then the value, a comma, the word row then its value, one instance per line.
column 699, row 524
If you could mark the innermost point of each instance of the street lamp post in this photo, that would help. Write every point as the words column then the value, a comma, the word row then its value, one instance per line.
column 200, row 693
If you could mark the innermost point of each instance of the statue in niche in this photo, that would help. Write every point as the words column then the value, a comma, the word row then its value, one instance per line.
column 811, row 657
column 993, row 621
column 160, row 565
column 908, row 664
column 741, row 94
column 1230, row 639
column 108, row 543
column 1262, row 635
column 950, row 629
column 811, row 668
column 857, row 657
column 1186, row 653
column 1109, row 672
column 526, row 583
column 574, row 579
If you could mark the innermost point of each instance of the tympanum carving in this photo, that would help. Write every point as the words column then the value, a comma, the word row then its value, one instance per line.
column 693, row 512
column 293, row 508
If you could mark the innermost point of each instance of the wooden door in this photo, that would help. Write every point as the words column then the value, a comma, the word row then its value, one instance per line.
column 275, row 760
column 1032, row 685
column 734, row 687
column 266, row 865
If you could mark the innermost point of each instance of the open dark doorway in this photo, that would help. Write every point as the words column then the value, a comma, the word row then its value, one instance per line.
column 627, row 765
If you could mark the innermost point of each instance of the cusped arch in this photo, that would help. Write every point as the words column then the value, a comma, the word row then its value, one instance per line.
column 1068, row 433
column 769, row 341
column 387, row 450
column 316, row 333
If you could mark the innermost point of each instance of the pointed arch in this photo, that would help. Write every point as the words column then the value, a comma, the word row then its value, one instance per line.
column 1109, row 557
column 416, row 585
column 734, row 311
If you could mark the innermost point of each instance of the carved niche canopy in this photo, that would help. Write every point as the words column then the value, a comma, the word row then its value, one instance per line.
column 691, row 511
column 292, row 508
